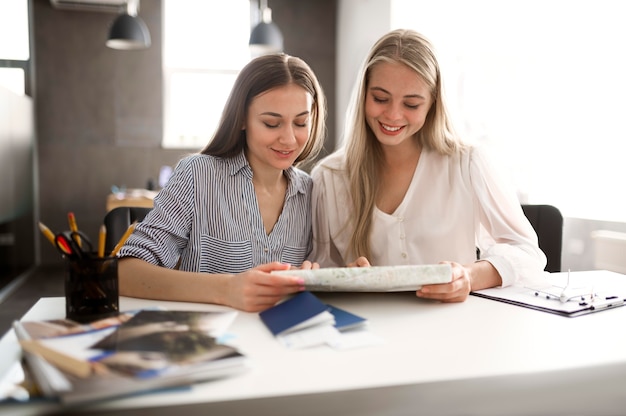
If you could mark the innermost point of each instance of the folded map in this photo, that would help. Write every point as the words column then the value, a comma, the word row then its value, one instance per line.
column 372, row 279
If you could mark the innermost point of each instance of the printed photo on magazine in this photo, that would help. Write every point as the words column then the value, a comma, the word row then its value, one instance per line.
column 154, row 341
column 138, row 352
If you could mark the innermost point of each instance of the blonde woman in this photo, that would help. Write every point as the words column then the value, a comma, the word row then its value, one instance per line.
column 404, row 189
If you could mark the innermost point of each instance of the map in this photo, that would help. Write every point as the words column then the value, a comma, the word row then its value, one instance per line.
column 371, row 279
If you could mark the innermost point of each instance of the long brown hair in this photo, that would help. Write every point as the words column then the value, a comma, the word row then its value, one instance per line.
column 258, row 76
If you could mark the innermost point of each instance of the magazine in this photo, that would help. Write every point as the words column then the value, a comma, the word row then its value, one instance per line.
column 136, row 352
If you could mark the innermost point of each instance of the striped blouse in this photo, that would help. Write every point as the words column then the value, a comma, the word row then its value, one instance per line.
column 207, row 219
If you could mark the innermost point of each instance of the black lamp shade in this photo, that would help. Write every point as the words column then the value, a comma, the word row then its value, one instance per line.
column 128, row 32
column 266, row 38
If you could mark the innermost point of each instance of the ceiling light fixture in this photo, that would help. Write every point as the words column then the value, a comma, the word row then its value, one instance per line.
column 266, row 37
column 129, row 31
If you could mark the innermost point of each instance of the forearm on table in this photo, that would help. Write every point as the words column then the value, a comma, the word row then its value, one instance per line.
column 138, row 278
column 483, row 275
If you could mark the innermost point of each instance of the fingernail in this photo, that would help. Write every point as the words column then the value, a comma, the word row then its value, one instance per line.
column 300, row 281
column 302, row 288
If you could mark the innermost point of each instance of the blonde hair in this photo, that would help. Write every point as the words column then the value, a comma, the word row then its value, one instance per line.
column 361, row 148
column 258, row 76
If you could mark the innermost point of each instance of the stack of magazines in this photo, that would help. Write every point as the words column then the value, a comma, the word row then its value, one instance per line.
column 135, row 352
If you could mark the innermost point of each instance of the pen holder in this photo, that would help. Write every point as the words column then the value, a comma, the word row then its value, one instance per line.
column 91, row 288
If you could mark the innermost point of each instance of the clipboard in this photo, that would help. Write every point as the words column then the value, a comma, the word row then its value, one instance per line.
column 559, row 295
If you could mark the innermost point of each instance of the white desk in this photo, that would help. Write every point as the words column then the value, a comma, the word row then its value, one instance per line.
column 480, row 357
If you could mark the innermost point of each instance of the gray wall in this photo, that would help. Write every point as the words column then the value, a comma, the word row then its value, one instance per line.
column 17, row 205
column 310, row 32
column 99, row 111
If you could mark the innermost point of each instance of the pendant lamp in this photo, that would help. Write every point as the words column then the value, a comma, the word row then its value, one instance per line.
column 266, row 37
column 129, row 31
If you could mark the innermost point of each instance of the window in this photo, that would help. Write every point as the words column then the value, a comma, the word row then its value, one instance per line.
column 541, row 81
column 14, row 55
column 205, row 44
column 13, row 79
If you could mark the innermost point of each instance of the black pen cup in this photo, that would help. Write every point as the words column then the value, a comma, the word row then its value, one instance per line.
column 91, row 288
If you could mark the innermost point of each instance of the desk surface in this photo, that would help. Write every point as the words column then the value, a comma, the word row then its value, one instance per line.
column 478, row 357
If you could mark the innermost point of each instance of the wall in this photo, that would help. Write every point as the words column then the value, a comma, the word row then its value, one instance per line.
column 98, row 114
column 310, row 32
column 99, row 111
column 17, row 206
column 360, row 23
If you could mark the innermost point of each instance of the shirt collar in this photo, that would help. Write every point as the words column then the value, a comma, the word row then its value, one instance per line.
column 296, row 182
column 239, row 164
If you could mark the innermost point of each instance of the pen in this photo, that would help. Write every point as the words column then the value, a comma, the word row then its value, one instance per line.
column 47, row 233
column 564, row 298
column 608, row 302
column 127, row 234
column 101, row 240
column 71, row 219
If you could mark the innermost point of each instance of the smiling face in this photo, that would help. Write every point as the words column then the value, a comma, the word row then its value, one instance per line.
column 278, row 127
column 396, row 103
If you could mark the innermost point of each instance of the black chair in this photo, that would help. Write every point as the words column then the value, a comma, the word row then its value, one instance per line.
column 548, row 224
column 117, row 222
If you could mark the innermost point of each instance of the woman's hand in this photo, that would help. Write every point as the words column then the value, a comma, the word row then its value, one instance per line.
column 307, row 265
column 257, row 289
column 360, row 262
column 456, row 291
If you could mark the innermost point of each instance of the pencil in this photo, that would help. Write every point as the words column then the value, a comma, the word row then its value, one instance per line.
column 120, row 243
column 66, row 362
column 71, row 219
column 47, row 233
column 101, row 240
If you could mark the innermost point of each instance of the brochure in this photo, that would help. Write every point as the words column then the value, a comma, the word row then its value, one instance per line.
column 141, row 352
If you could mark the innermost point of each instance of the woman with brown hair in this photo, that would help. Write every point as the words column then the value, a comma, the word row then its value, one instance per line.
column 240, row 208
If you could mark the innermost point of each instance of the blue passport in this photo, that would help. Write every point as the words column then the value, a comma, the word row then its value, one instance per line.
column 298, row 312
column 345, row 320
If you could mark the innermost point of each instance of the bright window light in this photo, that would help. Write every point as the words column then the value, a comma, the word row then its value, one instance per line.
column 542, row 82
column 205, row 44
column 14, row 30
column 13, row 80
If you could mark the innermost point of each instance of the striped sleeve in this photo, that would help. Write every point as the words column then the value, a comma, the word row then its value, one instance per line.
column 164, row 233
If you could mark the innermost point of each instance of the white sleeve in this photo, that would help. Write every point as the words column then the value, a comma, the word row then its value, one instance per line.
column 506, row 238
column 323, row 206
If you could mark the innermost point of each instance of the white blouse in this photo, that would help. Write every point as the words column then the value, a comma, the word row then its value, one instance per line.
column 453, row 205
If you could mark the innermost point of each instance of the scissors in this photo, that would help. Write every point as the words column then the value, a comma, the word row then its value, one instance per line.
column 74, row 244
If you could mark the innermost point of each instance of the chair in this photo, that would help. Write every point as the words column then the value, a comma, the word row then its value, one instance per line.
column 117, row 222
column 548, row 224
